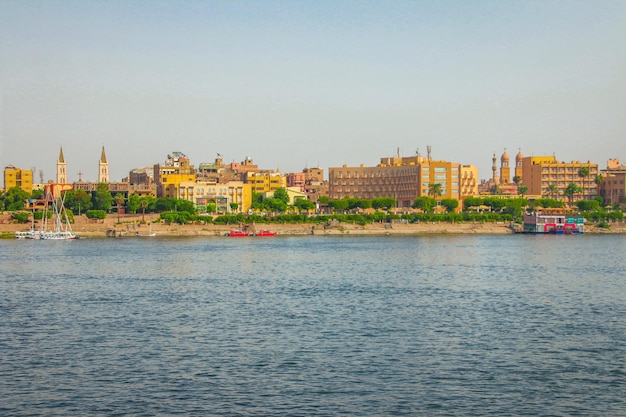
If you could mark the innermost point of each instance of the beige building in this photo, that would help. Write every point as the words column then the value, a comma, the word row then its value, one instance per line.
column 310, row 181
column 538, row 172
column 403, row 178
column 222, row 195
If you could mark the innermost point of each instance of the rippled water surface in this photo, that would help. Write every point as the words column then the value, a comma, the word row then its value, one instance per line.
column 314, row 326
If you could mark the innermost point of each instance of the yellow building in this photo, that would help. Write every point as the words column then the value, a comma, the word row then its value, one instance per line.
column 223, row 196
column 17, row 177
column 539, row 172
column 265, row 181
column 167, row 177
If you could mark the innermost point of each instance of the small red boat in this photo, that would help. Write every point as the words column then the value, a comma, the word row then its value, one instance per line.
column 238, row 233
column 266, row 233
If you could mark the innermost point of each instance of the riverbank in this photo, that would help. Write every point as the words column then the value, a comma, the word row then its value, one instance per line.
column 131, row 225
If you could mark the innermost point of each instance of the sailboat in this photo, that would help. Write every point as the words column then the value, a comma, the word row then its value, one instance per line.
column 61, row 230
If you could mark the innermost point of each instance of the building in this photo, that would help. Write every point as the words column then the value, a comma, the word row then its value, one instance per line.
column 17, row 177
column 175, row 170
column 232, row 197
column 539, row 172
column 612, row 183
column 265, row 181
column 103, row 168
column 61, row 169
column 404, row 179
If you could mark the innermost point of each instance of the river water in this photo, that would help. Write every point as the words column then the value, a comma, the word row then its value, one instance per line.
column 314, row 326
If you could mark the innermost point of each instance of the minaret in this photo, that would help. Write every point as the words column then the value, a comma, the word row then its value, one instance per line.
column 61, row 169
column 494, row 168
column 103, row 169
column 519, row 162
column 505, row 170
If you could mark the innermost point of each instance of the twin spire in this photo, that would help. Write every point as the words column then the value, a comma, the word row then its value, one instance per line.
column 103, row 168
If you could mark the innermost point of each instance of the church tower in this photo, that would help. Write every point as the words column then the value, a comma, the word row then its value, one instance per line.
column 103, row 168
column 61, row 169
column 505, row 170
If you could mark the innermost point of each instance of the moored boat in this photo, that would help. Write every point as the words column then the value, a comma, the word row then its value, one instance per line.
column 266, row 233
column 238, row 233
column 554, row 221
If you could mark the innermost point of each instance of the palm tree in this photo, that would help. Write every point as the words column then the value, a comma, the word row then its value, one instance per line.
column 571, row 190
column 522, row 189
column 553, row 191
column 582, row 173
column 435, row 190
column 599, row 180
column 143, row 203
column 119, row 200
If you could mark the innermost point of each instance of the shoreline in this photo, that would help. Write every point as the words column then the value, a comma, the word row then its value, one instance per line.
column 130, row 225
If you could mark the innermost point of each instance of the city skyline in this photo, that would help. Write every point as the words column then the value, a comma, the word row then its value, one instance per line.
column 297, row 84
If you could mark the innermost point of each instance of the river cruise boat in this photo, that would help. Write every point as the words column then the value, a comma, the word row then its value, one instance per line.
column 554, row 221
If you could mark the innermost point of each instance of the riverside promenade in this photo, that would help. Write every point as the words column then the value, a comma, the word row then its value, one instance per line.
column 130, row 225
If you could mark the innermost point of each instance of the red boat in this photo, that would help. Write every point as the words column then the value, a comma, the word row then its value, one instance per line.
column 238, row 233
column 266, row 233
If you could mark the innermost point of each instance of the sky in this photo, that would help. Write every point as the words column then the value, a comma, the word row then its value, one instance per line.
column 296, row 84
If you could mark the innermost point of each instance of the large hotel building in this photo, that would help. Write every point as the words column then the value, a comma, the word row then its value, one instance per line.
column 403, row 178
column 539, row 172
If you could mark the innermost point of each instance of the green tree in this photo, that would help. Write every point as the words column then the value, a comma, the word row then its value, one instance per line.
column 472, row 202
column 78, row 201
column 133, row 203
column 553, row 191
column 426, row 204
column 384, row 203
column 522, row 189
column 102, row 198
column 588, row 205
column 119, row 202
column 275, row 205
column 435, row 190
column 282, row 195
column 303, row 204
column 517, row 180
column 582, row 173
column 570, row 191
column 450, row 204
column 14, row 199
column 338, row 205
column 234, row 207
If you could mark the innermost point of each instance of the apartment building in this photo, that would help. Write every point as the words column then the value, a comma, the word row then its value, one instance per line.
column 613, row 183
column 167, row 177
column 403, row 178
column 538, row 172
column 265, row 181
column 223, row 196
column 18, row 177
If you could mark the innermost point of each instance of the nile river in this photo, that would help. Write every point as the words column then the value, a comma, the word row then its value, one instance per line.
column 314, row 326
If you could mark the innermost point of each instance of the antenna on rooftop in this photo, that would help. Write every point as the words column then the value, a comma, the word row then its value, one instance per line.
column 428, row 151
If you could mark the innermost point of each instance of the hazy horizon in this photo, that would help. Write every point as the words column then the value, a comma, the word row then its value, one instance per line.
column 292, row 84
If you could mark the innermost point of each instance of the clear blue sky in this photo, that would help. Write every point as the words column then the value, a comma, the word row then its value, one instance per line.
column 292, row 84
